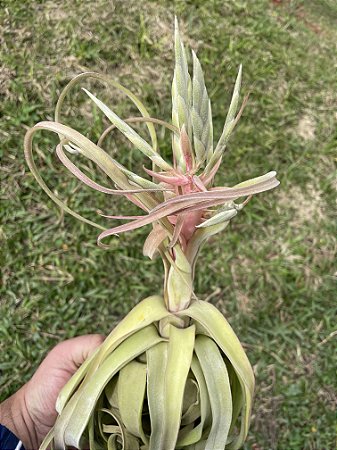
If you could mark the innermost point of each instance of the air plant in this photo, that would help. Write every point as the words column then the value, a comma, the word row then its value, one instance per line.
column 172, row 374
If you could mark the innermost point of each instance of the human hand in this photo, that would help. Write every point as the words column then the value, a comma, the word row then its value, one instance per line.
column 30, row 412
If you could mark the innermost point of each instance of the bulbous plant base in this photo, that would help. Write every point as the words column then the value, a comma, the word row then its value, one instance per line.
column 160, row 381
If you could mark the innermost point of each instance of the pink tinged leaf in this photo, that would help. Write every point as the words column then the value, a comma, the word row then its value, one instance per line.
column 136, row 202
column 175, row 180
column 190, row 202
column 86, row 180
column 243, row 204
column 198, row 183
column 225, row 193
column 153, row 216
column 193, row 218
column 202, row 205
column 120, row 217
column 146, row 220
column 242, row 107
column 167, row 211
column 72, row 149
column 185, row 145
column 177, row 230
column 154, row 239
column 172, row 219
column 207, row 179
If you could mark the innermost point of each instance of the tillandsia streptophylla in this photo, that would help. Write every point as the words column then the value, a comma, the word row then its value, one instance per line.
column 172, row 374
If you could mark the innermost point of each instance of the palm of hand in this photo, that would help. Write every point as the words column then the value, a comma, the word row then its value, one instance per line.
column 57, row 368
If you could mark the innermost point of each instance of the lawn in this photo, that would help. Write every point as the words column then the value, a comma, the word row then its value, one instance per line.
column 271, row 272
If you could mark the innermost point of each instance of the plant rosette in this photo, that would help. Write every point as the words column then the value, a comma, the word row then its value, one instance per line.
column 172, row 374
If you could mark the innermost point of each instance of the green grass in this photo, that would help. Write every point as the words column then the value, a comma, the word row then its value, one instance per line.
column 271, row 273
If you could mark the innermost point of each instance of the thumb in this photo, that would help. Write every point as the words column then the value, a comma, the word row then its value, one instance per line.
column 69, row 355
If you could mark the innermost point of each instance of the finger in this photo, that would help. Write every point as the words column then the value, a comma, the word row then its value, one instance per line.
column 70, row 354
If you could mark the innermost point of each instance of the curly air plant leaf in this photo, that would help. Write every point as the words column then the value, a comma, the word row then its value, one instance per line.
column 172, row 374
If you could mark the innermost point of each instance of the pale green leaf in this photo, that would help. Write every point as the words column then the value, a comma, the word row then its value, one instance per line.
column 263, row 178
column 220, row 217
column 131, row 391
column 47, row 440
column 191, row 402
column 181, row 96
column 211, row 322
column 148, row 311
column 111, row 392
column 237, row 400
column 180, row 352
column 201, row 115
column 194, row 436
column 124, row 353
column 200, row 236
column 217, row 380
column 156, row 367
column 168, row 367
column 230, row 123
column 110, row 81
column 235, row 98
column 89, row 150
column 130, row 133
column 69, row 388
column 120, row 432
